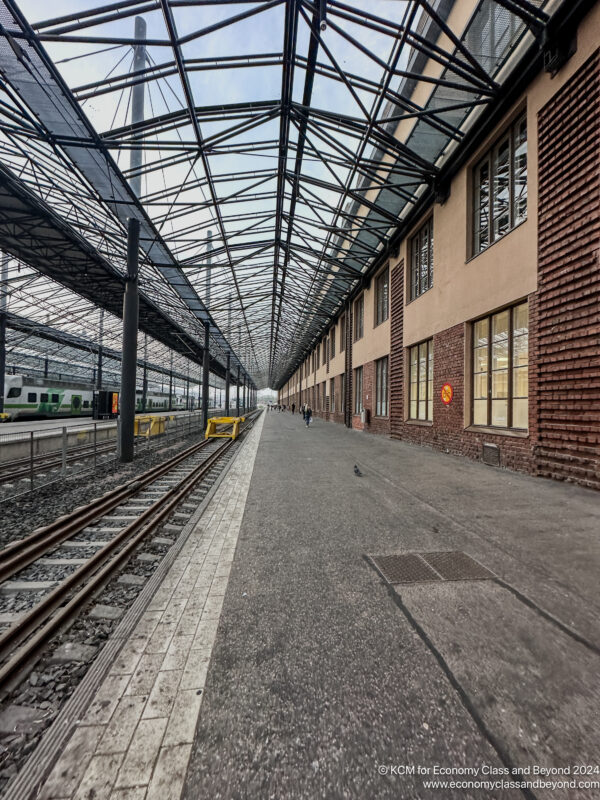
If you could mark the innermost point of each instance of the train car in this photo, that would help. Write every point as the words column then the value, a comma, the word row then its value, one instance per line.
column 32, row 397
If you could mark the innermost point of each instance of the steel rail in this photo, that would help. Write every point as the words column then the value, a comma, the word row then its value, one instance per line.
column 19, row 554
column 43, row 623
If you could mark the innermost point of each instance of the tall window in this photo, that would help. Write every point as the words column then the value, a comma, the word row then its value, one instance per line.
column 421, row 381
column 500, row 188
column 382, row 297
column 342, row 333
column 358, row 386
column 343, row 393
column 421, row 260
column 381, row 387
column 332, row 343
column 500, row 369
column 359, row 318
column 325, row 350
column 332, row 395
column 324, row 395
column 318, row 356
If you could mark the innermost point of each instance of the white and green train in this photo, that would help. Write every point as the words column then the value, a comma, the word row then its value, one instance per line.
column 31, row 397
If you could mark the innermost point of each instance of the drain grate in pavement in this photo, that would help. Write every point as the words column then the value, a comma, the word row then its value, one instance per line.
column 457, row 566
column 407, row 568
column 424, row 567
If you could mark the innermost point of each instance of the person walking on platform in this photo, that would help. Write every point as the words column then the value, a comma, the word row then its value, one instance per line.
column 308, row 415
column 293, row 408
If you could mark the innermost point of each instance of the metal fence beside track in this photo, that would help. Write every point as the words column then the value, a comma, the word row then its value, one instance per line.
column 35, row 458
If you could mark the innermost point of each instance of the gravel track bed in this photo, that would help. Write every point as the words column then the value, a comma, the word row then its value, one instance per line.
column 18, row 602
column 19, row 516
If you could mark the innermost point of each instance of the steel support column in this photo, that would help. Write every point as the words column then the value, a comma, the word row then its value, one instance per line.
column 237, row 393
column 145, row 377
column 100, row 351
column 3, row 304
column 129, row 356
column 227, row 384
column 205, row 375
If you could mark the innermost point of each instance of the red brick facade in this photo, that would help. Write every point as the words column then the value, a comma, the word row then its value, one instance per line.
column 568, row 363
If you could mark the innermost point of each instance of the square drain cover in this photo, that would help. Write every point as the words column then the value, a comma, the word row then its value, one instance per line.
column 423, row 567
column 457, row 566
column 406, row 568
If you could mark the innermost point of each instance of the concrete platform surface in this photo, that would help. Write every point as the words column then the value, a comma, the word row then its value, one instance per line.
column 324, row 684
column 275, row 662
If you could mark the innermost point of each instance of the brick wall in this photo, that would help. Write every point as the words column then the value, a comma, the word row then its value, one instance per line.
column 568, row 311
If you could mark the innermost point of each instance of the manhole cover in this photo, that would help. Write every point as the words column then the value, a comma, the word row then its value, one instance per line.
column 407, row 568
column 425, row 567
column 457, row 566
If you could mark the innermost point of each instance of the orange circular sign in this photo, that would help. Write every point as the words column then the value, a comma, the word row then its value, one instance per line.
column 447, row 393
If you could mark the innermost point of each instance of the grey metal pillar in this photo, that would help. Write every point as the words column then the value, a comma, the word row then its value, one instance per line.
column 227, row 384
column 145, row 378
column 137, row 104
column 129, row 356
column 100, row 351
column 205, row 375
column 171, row 384
column 208, row 267
column 131, row 299
column 3, row 304
column 237, row 393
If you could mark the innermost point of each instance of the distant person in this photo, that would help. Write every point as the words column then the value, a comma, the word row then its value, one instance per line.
column 308, row 415
column 293, row 408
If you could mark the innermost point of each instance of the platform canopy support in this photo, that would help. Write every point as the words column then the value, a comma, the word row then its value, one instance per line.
column 237, row 395
column 227, row 383
column 131, row 299
column 129, row 357
column 205, row 375
column 3, row 304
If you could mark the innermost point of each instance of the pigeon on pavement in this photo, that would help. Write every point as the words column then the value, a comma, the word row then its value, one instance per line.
column 357, row 472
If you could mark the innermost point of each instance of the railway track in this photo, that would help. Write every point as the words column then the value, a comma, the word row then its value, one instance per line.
column 113, row 527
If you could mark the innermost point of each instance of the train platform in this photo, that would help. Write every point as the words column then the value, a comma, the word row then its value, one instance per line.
column 281, row 655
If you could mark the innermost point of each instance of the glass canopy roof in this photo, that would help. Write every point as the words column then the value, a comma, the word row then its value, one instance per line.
column 279, row 145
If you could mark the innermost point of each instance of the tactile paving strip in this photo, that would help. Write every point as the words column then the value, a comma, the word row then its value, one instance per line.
column 425, row 567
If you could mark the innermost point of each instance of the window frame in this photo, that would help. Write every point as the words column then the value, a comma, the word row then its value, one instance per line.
column 332, row 396
column 489, row 159
column 430, row 355
column 510, row 398
column 57, row 396
column 359, row 303
column 380, row 319
column 332, row 343
column 382, row 402
column 343, row 393
column 415, row 246
column 358, row 398
column 342, row 333
column 32, row 397
column 44, row 397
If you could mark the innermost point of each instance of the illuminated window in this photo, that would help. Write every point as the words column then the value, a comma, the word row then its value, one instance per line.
column 500, row 369
column 358, row 390
column 381, row 387
column 421, row 381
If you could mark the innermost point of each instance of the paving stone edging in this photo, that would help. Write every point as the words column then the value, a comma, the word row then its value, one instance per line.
column 27, row 784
